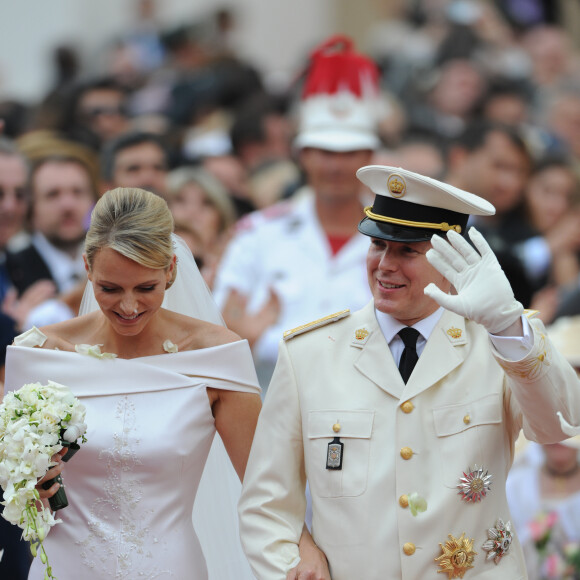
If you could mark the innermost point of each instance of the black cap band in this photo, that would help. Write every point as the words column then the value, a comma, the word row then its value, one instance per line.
column 397, row 220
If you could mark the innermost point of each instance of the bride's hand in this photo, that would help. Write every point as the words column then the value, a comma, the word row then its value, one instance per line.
column 313, row 564
column 51, row 473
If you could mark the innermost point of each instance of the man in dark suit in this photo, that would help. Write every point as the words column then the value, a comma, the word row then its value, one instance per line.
column 13, row 209
column 62, row 196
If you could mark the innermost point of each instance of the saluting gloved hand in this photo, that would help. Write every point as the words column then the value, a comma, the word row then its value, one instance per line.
column 484, row 294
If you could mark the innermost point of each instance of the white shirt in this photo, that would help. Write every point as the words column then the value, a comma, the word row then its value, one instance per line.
column 513, row 348
column 66, row 270
column 391, row 328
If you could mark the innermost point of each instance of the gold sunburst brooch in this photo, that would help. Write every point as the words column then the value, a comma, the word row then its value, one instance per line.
column 474, row 484
column 457, row 556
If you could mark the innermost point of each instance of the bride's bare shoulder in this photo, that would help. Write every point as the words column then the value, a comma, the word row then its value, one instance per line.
column 68, row 333
column 194, row 334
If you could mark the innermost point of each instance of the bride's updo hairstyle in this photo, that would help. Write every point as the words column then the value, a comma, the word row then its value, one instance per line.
column 137, row 224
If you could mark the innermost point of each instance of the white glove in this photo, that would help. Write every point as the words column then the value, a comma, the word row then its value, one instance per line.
column 484, row 294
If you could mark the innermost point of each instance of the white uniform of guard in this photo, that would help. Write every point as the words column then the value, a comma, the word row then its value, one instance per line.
column 286, row 249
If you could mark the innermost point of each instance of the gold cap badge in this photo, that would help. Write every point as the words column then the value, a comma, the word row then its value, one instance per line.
column 397, row 185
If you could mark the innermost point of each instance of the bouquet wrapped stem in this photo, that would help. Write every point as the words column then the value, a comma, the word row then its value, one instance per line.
column 59, row 500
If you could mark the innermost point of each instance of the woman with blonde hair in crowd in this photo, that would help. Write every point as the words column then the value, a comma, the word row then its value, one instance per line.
column 199, row 201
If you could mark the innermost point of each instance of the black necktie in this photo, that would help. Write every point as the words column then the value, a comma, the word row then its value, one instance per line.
column 409, row 357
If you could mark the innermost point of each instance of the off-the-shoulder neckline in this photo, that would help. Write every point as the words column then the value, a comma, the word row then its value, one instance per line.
column 35, row 337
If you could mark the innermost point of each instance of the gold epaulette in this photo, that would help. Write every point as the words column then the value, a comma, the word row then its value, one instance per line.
column 315, row 324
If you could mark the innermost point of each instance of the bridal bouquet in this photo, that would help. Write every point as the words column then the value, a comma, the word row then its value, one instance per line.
column 36, row 421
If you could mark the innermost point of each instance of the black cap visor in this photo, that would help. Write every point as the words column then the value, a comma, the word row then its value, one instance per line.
column 387, row 231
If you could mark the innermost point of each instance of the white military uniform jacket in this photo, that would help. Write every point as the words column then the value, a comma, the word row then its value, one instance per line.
column 462, row 407
column 285, row 248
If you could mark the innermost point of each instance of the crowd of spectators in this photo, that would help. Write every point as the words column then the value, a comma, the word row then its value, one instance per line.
column 477, row 94
column 481, row 95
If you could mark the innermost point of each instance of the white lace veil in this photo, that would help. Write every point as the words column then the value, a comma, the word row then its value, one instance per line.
column 215, row 509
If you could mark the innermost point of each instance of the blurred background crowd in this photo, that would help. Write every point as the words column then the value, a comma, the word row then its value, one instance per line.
column 484, row 95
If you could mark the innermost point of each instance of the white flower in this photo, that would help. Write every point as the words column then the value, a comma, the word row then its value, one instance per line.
column 32, row 337
column 74, row 432
column 169, row 346
column 33, row 421
column 93, row 350
column 417, row 503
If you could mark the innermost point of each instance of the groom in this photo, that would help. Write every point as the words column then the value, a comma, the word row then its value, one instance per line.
column 402, row 416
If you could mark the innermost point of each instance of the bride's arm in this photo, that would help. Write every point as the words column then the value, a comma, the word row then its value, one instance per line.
column 236, row 415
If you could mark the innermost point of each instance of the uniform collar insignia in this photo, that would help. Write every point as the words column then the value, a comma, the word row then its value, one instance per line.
column 360, row 337
column 455, row 335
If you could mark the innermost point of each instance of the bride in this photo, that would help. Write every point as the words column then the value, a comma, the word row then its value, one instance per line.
column 159, row 374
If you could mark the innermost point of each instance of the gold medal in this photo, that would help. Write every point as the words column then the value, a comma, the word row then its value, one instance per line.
column 457, row 556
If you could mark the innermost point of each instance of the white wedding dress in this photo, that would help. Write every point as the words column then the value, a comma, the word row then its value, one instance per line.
column 132, row 486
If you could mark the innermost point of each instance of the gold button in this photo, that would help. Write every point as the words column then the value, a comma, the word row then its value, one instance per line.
column 467, row 419
column 406, row 453
column 407, row 407
column 409, row 548
column 336, row 427
column 404, row 501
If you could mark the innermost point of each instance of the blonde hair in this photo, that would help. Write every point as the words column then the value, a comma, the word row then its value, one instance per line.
column 211, row 186
column 137, row 224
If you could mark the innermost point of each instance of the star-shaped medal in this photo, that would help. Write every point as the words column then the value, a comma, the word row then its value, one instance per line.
column 499, row 542
column 457, row 556
column 474, row 484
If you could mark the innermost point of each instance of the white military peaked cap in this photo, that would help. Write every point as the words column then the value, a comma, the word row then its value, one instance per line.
column 411, row 207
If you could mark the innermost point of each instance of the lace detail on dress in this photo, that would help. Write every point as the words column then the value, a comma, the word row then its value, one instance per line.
column 116, row 524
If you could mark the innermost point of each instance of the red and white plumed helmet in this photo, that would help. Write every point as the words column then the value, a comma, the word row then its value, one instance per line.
column 341, row 102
